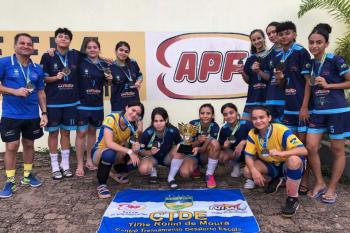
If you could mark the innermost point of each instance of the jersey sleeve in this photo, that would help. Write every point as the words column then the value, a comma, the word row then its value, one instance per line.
column 222, row 136
column 40, row 83
column 176, row 136
column 109, row 122
column 246, row 129
column 214, row 131
column 250, row 147
column 45, row 64
column 304, row 60
column 290, row 141
column 341, row 67
column 139, row 75
column 2, row 70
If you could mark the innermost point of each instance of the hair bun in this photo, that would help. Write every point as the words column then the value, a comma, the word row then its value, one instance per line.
column 324, row 26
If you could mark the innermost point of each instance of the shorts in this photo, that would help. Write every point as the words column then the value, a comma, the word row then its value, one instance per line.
column 276, row 112
column 89, row 117
column 61, row 118
column 293, row 122
column 275, row 171
column 160, row 160
column 11, row 129
column 336, row 125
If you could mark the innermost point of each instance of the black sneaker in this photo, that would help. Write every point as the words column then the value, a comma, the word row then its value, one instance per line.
column 291, row 207
column 273, row 185
column 173, row 185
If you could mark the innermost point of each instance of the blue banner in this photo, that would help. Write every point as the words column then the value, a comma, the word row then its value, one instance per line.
column 199, row 210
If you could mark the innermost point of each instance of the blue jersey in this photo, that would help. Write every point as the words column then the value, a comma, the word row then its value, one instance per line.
column 212, row 130
column 13, row 75
column 256, row 84
column 91, row 80
column 294, row 61
column 333, row 70
column 170, row 138
column 274, row 92
column 123, row 89
column 240, row 134
column 64, row 92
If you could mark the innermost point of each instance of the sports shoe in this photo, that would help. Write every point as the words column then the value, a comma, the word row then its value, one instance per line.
column 236, row 170
column 273, row 185
column 103, row 191
column 67, row 173
column 173, row 185
column 8, row 190
column 57, row 175
column 196, row 174
column 291, row 207
column 211, row 183
column 249, row 184
column 31, row 180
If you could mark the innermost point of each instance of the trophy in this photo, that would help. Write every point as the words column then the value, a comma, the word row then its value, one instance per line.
column 107, row 71
column 66, row 71
column 30, row 87
column 187, row 131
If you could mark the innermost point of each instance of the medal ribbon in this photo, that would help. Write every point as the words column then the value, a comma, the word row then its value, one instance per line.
column 64, row 59
column 97, row 64
column 313, row 74
column 287, row 54
column 149, row 145
column 133, row 131
column 234, row 130
column 266, row 139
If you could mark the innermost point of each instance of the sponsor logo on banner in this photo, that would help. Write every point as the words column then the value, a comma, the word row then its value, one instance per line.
column 198, row 65
column 131, row 206
column 178, row 202
column 229, row 208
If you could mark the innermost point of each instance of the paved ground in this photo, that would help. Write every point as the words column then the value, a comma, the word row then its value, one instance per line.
column 71, row 205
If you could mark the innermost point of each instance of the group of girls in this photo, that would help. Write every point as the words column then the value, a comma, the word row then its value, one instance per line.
column 287, row 86
column 159, row 144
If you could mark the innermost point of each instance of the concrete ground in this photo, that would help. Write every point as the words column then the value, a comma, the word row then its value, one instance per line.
column 71, row 205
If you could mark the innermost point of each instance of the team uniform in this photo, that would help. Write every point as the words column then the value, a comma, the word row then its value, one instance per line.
column 62, row 95
column 20, row 114
column 331, row 111
column 240, row 134
column 274, row 92
column 256, row 87
column 280, row 138
column 170, row 138
column 91, row 82
column 123, row 91
column 294, row 61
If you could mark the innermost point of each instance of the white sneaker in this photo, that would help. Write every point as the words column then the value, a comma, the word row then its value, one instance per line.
column 236, row 170
column 249, row 184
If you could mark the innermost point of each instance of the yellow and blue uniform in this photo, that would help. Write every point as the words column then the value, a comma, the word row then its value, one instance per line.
column 123, row 91
column 112, row 122
column 331, row 110
column 280, row 138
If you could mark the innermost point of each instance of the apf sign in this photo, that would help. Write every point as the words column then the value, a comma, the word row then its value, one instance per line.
column 195, row 65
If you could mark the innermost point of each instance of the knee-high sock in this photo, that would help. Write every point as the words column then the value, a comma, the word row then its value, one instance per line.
column 293, row 181
column 174, row 168
column 212, row 163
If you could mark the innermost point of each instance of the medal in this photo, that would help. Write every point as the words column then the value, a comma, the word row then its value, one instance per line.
column 155, row 144
column 30, row 87
column 232, row 139
column 313, row 74
column 265, row 153
column 107, row 71
column 66, row 71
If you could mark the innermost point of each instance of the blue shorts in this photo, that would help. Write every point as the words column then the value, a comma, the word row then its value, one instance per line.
column 61, row 118
column 276, row 112
column 294, row 123
column 275, row 171
column 336, row 125
column 89, row 117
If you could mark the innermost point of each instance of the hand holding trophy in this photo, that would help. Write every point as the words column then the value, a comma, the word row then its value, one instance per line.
column 187, row 131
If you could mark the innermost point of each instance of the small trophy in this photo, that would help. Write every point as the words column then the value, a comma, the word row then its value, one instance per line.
column 265, row 153
column 232, row 139
column 187, row 131
column 30, row 87
column 134, row 138
column 107, row 71
column 66, row 71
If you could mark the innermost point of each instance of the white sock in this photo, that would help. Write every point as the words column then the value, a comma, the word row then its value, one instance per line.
column 65, row 159
column 212, row 163
column 154, row 172
column 174, row 168
column 54, row 162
